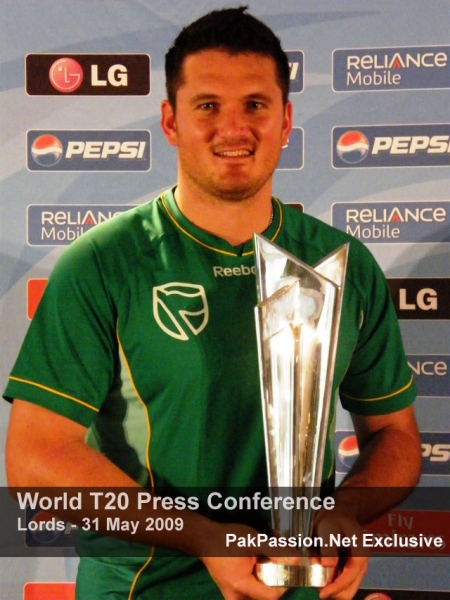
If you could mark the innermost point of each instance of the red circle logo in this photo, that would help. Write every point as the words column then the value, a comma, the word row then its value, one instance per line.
column 66, row 75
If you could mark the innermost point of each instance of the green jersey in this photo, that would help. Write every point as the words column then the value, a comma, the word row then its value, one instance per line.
column 146, row 335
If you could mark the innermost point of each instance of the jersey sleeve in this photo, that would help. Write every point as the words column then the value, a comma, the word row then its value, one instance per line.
column 378, row 379
column 67, row 360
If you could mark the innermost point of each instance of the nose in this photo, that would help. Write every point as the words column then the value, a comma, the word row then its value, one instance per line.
column 232, row 122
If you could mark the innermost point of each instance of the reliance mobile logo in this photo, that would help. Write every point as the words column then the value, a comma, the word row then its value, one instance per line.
column 381, row 222
column 58, row 225
column 431, row 374
column 89, row 150
column 425, row 145
column 409, row 68
column 88, row 74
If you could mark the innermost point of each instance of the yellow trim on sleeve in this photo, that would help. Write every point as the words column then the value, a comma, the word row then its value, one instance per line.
column 380, row 397
column 48, row 389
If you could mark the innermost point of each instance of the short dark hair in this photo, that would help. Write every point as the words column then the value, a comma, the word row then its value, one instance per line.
column 232, row 30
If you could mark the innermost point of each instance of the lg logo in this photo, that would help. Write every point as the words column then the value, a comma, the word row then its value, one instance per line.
column 421, row 298
column 117, row 75
column 88, row 74
column 66, row 75
column 426, row 299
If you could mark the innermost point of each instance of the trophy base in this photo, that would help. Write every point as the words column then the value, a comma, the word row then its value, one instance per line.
column 305, row 574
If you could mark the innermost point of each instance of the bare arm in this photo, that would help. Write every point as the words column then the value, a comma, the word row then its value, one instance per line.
column 45, row 449
column 387, row 469
column 39, row 445
column 389, row 458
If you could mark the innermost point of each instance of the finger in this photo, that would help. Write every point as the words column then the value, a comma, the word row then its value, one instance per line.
column 249, row 588
column 331, row 559
column 347, row 582
column 285, row 560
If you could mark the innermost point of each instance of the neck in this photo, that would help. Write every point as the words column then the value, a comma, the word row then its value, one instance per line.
column 232, row 220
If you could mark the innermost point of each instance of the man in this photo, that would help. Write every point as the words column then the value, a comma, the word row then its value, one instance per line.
column 140, row 365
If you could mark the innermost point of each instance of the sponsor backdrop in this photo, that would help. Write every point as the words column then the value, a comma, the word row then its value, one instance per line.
column 80, row 88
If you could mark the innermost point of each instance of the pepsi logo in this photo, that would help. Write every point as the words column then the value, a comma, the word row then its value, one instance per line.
column 348, row 450
column 42, row 529
column 46, row 150
column 352, row 147
column 66, row 75
column 377, row 596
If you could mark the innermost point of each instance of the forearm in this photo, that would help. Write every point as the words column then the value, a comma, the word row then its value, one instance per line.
column 43, row 457
column 37, row 459
column 387, row 469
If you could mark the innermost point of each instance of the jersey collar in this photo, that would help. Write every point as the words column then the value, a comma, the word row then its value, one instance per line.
column 210, row 241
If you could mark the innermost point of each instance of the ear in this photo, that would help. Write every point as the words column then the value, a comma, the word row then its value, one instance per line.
column 168, row 123
column 287, row 123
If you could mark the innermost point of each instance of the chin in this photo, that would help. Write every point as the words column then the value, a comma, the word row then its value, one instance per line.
column 236, row 192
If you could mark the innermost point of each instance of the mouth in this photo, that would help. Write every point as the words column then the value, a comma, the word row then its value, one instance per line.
column 234, row 153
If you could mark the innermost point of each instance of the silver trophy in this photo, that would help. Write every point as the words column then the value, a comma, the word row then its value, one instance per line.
column 297, row 323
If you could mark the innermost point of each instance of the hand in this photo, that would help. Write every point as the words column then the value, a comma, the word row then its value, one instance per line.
column 235, row 578
column 350, row 563
column 234, row 575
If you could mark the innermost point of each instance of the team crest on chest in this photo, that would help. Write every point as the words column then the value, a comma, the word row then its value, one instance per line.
column 180, row 309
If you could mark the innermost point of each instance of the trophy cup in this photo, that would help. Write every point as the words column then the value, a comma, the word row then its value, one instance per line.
column 297, row 323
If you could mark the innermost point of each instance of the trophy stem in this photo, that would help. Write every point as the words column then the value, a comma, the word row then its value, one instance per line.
column 297, row 319
column 304, row 574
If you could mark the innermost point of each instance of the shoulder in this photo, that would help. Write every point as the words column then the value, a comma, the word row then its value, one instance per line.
column 317, row 238
column 121, row 239
column 311, row 240
column 101, row 260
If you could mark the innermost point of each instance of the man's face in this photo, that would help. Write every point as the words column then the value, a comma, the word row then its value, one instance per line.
column 230, row 124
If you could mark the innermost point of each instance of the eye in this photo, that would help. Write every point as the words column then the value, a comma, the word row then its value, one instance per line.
column 207, row 106
column 254, row 105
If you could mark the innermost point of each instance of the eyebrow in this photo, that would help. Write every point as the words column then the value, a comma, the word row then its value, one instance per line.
column 203, row 97
column 206, row 97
